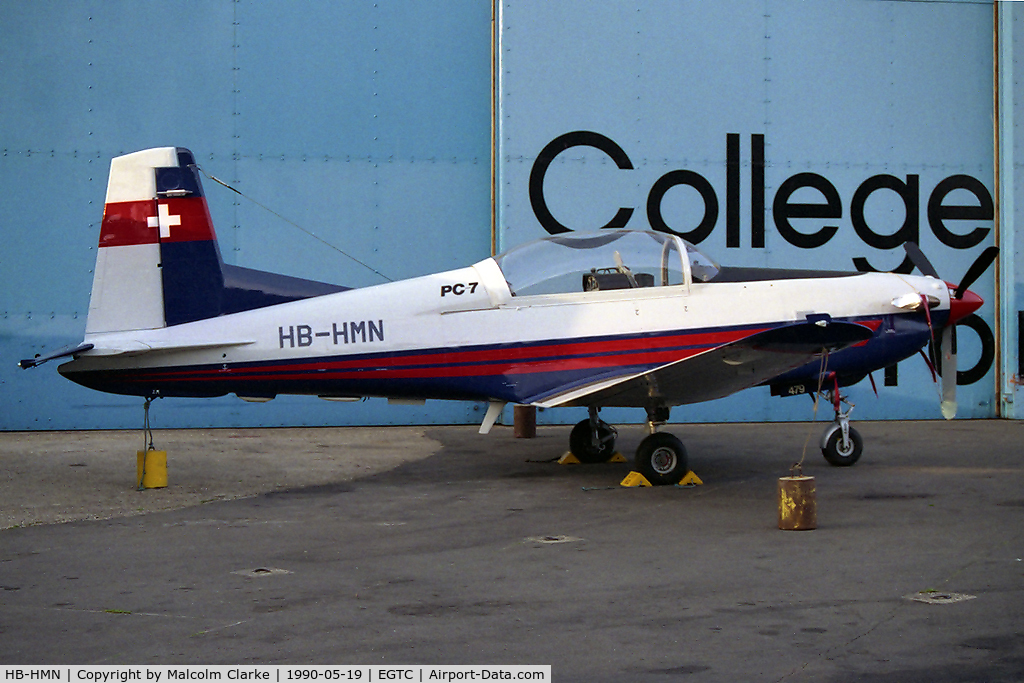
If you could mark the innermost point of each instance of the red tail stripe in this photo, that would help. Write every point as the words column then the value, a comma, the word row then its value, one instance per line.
column 126, row 223
column 131, row 223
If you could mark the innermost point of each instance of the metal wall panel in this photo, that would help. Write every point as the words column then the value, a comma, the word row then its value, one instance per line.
column 367, row 124
column 1010, row 142
column 862, row 95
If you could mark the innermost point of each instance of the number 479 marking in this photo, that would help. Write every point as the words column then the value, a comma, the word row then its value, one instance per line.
column 458, row 289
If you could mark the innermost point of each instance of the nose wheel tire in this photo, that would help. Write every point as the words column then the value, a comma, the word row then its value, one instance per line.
column 581, row 442
column 661, row 458
column 840, row 453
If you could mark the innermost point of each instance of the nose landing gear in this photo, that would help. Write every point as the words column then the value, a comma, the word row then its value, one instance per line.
column 841, row 444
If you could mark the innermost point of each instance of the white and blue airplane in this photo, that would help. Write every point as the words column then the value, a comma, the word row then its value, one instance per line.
column 612, row 318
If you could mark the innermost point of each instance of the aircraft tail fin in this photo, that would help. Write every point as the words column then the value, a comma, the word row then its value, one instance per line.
column 158, row 263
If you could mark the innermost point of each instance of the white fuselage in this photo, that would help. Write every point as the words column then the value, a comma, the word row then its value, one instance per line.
column 405, row 338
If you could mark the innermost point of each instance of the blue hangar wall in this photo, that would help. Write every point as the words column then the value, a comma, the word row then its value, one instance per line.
column 717, row 121
column 370, row 125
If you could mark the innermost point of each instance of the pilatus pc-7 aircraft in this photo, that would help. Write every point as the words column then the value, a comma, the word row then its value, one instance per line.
column 613, row 318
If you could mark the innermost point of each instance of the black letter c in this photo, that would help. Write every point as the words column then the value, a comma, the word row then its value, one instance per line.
column 547, row 155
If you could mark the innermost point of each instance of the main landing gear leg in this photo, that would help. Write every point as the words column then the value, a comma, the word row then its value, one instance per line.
column 841, row 444
column 661, row 457
column 593, row 439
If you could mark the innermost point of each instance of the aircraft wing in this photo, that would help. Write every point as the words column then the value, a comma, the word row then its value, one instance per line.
column 720, row 371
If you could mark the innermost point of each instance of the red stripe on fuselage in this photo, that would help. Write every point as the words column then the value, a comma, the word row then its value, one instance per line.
column 530, row 359
column 491, row 369
column 532, row 353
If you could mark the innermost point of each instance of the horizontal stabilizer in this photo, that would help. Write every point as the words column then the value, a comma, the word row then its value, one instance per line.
column 133, row 348
column 59, row 353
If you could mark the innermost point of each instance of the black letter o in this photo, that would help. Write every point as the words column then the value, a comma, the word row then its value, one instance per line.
column 697, row 182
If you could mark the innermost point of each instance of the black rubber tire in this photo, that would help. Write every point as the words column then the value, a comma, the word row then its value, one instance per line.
column 843, row 457
column 662, row 459
column 582, row 446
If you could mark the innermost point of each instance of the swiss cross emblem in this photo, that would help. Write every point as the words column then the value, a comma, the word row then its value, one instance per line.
column 163, row 220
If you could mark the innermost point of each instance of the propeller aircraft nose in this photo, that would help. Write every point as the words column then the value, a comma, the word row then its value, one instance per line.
column 963, row 307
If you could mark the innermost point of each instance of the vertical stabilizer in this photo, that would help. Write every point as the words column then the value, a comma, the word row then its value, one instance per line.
column 158, row 263
column 127, row 288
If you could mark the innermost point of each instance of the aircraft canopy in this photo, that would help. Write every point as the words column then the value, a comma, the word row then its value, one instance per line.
column 609, row 259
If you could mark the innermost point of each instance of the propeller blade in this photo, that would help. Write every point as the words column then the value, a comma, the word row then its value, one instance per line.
column 920, row 260
column 948, row 374
column 979, row 266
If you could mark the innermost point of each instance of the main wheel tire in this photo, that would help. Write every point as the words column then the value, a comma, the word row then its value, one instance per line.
column 661, row 458
column 843, row 454
column 582, row 446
